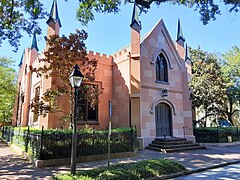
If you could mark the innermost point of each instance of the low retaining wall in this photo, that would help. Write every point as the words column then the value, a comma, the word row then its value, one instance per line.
column 65, row 161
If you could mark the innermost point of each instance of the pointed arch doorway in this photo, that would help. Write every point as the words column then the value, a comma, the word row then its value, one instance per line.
column 163, row 118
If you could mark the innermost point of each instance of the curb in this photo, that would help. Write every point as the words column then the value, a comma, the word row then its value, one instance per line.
column 195, row 170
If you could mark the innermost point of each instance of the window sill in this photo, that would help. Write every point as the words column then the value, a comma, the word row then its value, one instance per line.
column 88, row 123
column 162, row 82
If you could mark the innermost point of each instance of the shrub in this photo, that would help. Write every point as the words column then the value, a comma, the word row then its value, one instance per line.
column 216, row 135
column 131, row 171
column 56, row 143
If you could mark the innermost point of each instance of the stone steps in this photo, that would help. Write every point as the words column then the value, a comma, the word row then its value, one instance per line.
column 169, row 145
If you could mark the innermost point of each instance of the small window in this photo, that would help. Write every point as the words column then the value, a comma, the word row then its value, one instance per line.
column 161, row 69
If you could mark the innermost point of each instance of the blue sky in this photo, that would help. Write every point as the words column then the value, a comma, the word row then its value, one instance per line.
column 110, row 32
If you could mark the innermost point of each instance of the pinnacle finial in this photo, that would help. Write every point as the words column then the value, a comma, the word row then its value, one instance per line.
column 135, row 18
column 21, row 60
column 34, row 42
column 54, row 14
column 179, row 32
column 187, row 54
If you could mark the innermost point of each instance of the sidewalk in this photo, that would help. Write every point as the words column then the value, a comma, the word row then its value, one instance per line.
column 13, row 167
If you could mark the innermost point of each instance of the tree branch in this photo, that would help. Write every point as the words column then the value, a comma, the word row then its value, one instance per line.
column 11, row 13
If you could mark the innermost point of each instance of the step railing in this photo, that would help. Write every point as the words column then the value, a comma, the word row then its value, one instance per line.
column 184, row 130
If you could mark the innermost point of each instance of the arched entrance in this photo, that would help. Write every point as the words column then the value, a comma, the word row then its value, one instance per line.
column 163, row 118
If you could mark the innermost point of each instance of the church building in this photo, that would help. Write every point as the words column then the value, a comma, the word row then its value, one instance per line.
column 146, row 83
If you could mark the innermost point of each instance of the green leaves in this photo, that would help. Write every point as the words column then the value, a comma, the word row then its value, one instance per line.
column 207, row 86
column 215, row 85
column 7, row 89
column 87, row 7
column 17, row 16
column 137, row 170
column 62, row 55
column 208, row 9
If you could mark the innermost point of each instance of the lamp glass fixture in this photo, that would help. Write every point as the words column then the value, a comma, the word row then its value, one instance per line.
column 76, row 77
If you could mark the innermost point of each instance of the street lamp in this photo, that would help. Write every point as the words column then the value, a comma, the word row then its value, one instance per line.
column 75, row 79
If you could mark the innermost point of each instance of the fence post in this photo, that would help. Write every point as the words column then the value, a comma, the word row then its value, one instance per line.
column 93, row 136
column 19, row 134
column 27, row 140
column 183, row 132
column 237, row 134
column 8, row 134
column 41, row 143
column 3, row 132
column 132, row 138
column 135, row 138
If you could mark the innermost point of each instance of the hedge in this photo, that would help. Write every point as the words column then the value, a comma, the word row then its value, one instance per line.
column 216, row 135
column 54, row 144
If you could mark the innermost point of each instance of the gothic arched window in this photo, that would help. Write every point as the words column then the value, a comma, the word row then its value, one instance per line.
column 161, row 68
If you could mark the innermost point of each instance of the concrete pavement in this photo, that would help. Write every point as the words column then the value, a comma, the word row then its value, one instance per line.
column 12, row 166
column 230, row 172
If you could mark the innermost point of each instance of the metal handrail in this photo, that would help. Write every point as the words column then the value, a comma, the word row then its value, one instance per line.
column 184, row 130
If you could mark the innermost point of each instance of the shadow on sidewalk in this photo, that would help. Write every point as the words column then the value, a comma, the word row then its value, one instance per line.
column 13, row 166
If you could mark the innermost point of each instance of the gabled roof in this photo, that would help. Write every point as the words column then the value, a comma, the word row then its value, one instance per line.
column 160, row 26
column 187, row 54
column 179, row 32
column 54, row 14
column 34, row 42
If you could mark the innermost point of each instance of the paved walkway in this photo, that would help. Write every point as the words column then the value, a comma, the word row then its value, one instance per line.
column 12, row 166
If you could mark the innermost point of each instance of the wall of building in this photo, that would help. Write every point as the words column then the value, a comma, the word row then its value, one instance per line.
column 104, row 80
column 159, row 41
column 121, row 86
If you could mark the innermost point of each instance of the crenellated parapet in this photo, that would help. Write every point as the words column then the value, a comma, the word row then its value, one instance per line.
column 101, row 58
column 121, row 55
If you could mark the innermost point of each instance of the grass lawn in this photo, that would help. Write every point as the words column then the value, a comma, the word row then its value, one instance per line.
column 131, row 171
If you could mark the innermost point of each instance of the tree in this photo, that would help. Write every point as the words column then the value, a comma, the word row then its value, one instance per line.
column 207, row 9
column 207, row 85
column 231, row 74
column 7, row 89
column 17, row 16
column 62, row 54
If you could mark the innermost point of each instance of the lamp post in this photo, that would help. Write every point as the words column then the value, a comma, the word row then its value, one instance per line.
column 75, row 79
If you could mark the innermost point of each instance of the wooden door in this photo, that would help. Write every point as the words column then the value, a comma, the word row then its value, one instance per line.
column 163, row 119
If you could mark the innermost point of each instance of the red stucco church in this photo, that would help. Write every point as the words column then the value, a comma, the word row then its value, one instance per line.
column 146, row 82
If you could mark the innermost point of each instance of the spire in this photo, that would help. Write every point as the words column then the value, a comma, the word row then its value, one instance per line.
column 187, row 54
column 54, row 14
column 179, row 32
column 34, row 42
column 21, row 60
column 135, row 19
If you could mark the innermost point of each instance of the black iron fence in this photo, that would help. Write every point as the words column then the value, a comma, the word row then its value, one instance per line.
column 216, row 135
column 46, row 144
